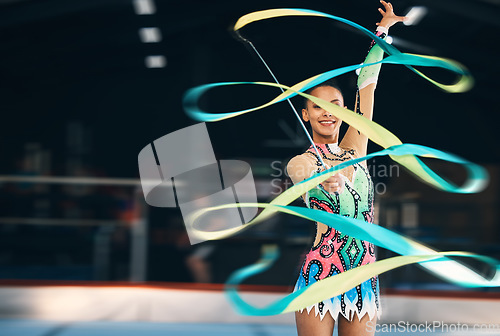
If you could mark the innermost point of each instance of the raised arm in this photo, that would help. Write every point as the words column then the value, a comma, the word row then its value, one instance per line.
column 367, row 81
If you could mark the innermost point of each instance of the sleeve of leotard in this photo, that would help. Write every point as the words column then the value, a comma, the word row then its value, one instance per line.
column 365, row 93
column 300, row 168
column 369, row 75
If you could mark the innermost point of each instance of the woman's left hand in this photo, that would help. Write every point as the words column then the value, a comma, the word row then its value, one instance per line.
column 388, row 17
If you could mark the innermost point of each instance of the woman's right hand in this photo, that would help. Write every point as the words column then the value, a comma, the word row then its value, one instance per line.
column 334, row 184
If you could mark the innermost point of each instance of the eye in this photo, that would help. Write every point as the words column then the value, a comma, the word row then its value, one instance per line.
column 316, row 106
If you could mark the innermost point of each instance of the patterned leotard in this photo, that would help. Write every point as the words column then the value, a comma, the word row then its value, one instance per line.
column 336, row 252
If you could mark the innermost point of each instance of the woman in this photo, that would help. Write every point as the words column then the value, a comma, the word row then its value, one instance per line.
column 348, row 193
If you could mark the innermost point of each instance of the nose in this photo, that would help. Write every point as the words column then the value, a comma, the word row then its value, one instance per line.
column 326, row 113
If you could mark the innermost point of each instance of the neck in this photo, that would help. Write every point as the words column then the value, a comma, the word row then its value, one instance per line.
column 320, row 139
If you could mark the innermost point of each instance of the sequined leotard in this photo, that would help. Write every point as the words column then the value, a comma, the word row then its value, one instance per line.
column 336, row 252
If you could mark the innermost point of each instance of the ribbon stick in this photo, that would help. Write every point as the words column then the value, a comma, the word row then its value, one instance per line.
column 288, row 99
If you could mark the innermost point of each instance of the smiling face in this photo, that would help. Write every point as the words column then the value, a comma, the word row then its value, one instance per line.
column 325, row 126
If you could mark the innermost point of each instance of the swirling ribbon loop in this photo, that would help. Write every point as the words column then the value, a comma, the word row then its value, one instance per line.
column 411, row 251
column 396, row 57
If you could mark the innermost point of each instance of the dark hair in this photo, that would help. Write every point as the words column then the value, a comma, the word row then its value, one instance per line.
column 330, row 82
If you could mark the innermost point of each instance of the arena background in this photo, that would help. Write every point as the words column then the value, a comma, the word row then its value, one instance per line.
column 87, row 84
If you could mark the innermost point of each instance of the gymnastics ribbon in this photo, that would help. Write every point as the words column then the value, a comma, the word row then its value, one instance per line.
column 372, row 130
column 462, row 85
column 405, row 154
column 475, row 172
column 337, row 284
column 446, row 269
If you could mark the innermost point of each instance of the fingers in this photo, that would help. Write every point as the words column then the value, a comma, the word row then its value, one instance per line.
column 388, row 8
column 387, row 5
column 334, row 184
column 388, row 16
column 333, row 187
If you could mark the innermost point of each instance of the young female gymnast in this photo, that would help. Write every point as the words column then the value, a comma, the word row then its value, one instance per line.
column 348, row 193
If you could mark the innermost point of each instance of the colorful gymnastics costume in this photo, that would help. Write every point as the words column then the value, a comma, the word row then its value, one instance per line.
column 336, row 252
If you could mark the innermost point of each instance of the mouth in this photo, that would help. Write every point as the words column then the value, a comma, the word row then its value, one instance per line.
column 327, row 122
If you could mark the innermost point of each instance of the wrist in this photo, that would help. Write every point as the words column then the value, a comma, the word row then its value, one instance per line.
column 383, row 29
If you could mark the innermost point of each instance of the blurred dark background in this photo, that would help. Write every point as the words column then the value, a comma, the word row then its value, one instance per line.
column 82, row 93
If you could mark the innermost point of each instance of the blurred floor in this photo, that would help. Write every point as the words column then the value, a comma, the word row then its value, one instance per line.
column 44, row 328
column 106, row 328
column 183, row 309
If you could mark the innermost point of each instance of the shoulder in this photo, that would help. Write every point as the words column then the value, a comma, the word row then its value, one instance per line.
column 303, row 159
column 300, row 167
